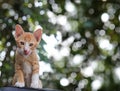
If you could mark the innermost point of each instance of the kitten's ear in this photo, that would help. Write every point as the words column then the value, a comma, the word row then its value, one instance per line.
column 18, row 31
column 38, row 34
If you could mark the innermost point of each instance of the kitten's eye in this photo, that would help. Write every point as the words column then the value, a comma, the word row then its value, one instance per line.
column 22, row 43
column 31, row 44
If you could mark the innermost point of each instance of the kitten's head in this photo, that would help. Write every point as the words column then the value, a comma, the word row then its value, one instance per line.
column 26, row 41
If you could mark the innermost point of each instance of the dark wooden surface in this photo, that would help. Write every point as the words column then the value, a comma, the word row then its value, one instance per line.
column 24, row 89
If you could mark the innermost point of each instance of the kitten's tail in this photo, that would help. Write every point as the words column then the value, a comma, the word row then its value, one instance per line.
column 40, row 84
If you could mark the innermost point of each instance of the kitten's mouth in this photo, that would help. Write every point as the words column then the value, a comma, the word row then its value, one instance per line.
column 26, row 52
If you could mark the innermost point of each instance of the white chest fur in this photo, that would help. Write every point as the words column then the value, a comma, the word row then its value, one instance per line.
column 27, row 68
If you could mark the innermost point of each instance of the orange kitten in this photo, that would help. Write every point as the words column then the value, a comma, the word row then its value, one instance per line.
column 26, row 58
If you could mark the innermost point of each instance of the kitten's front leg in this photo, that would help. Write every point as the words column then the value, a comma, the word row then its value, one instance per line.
column 35, row 81
column 19, row 77
column 35, row 76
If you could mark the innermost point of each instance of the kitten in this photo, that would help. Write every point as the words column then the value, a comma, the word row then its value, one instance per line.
column 26, row 58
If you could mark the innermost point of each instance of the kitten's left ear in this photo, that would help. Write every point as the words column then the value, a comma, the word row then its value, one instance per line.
column 38, row 34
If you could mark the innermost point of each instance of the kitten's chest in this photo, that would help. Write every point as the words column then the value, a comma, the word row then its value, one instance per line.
column 27, row 68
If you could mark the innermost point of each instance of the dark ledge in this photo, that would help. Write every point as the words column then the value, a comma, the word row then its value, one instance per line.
column 24, row 89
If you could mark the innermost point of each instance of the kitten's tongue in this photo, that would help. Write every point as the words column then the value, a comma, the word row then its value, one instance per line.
column 26, row 52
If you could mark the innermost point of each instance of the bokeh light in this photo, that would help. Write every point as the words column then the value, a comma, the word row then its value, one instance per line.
column 64, row 82
column 105, row 17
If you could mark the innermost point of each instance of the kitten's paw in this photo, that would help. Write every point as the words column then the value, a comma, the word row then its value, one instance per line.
column 34, row 85
column 19, row 84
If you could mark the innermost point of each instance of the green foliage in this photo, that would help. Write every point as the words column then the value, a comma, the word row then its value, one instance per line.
column 87, row 51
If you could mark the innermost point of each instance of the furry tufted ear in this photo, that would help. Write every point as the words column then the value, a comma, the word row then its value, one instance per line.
column 38, row 34
column 18, row 31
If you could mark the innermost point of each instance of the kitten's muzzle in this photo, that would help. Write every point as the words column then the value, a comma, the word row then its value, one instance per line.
column 26, row 52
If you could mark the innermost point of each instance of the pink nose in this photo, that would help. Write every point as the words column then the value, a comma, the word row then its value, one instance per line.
column 26, row 52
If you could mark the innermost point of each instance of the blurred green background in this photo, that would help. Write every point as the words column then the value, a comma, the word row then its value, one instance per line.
column 80, row 47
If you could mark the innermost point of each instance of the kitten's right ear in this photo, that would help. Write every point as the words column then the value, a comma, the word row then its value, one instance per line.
column 18, row 31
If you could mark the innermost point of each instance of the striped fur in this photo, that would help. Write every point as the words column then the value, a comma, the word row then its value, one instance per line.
column 26, row 58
